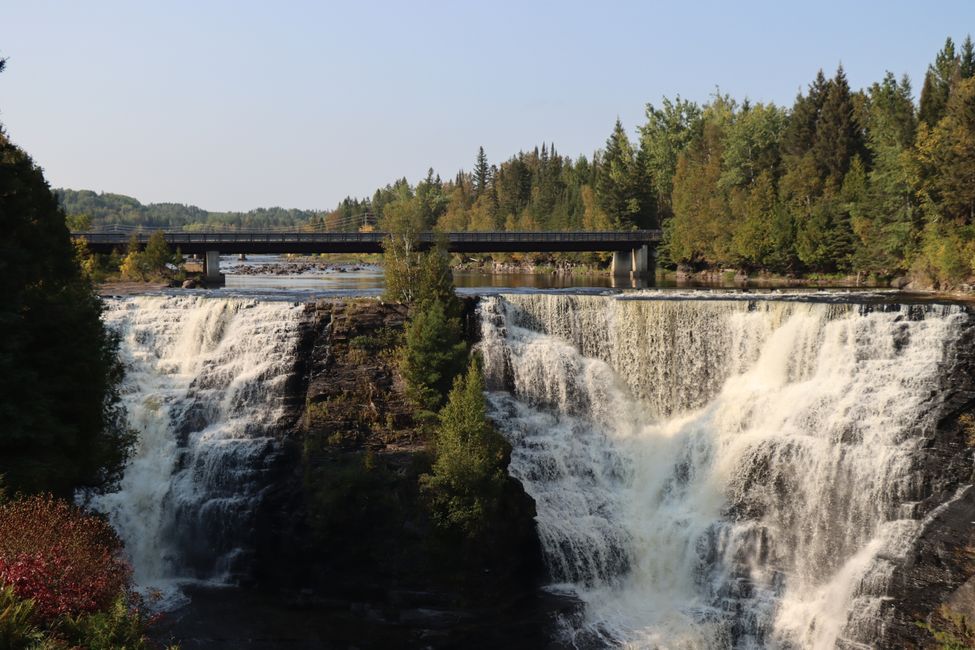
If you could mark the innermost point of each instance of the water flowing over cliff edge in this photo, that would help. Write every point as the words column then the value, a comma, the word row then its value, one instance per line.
column 731, row 473
column 204, row 388
column 707, row 473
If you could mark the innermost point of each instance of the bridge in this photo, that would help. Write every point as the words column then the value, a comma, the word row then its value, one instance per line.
column 633, row 250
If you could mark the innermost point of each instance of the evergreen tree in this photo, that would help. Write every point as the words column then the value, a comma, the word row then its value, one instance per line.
column 467, row 480
column 947, row 158
column 941, row 76
column 885, row 216
column 62, row 427
column 800, row 130
column 481, row 173
column 618, row 183
column 967, row 59
column 435, row 281
column 838, row 137
column 433, row 354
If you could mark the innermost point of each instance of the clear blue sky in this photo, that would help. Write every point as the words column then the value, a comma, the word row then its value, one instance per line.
column 235, row 105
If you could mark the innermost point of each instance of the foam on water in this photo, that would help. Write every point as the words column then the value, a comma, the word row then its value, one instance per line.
column 204, row 384
column 722, row 473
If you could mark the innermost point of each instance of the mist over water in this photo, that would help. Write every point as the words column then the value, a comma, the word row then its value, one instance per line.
column 714, row 474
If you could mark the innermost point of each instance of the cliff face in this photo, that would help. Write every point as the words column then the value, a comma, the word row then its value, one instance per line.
column 936, row 585
column 345, row 526
column 344, row 531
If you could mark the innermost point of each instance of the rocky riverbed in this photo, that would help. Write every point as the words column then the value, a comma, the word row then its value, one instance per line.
column 297, row 267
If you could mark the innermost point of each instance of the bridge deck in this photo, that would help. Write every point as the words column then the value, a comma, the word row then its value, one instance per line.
column 356, row 242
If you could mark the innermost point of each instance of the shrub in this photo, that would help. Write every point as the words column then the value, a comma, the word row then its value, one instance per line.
column 434, row 353
column 149, row 263
column 468, row 477
column 17, row 629
column 119, row 626
column 65, row 561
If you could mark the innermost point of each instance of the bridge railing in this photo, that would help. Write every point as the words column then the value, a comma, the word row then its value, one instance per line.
column 121, row 237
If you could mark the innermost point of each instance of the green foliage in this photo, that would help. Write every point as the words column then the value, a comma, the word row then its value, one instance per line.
column 433, row 354
column 940, row 77
column 622, row 190
column 950, row 630
column 17, row 628
column 842, row 182
column 467, row 480
column 150, row 263
column 62, row 428
column 668, row 132
column 107, row 209
column 79, row 222
column 118, row 626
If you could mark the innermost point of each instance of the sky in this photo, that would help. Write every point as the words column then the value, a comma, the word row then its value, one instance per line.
column 233, row 105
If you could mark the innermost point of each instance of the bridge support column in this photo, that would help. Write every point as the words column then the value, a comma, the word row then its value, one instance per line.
column 622, row 264
column 641, row 261
column 211, row 267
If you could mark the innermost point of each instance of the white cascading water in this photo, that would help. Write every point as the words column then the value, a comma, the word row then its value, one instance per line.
column 718, row 473
column 203, row 389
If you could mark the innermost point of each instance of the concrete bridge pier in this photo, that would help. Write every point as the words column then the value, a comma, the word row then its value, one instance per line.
column 635, row 262
column 622, row 264
column 211, row 268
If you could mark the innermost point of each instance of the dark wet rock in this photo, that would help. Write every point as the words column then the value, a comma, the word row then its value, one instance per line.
column 899, row 282
column 342, row 519
column 940, row 569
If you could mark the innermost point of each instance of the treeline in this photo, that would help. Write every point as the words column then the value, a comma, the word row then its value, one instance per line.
column 843, row 181
column 86, row 208
column 535, row 190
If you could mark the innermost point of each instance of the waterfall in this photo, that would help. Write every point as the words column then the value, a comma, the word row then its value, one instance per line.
column 204, row 387
column 719, row 473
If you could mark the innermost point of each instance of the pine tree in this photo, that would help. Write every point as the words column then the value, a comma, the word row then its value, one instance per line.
column 616, row 184
column 938, row 81
column 967, row 60
column 885, row 215
column 467, row 481
column 62, row 428
column 838, row 137
column 947, row 159
column 481, row 173
column 433, row 354
column 800, row 130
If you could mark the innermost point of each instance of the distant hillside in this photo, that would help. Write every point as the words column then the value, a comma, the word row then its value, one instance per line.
column 106, row 209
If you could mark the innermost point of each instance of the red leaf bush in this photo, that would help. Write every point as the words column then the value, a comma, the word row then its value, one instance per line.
column 66, row 561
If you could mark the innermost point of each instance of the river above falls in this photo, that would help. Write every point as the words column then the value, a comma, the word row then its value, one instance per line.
column 277, row 277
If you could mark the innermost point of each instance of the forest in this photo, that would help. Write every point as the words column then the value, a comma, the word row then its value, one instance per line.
column 844, row 181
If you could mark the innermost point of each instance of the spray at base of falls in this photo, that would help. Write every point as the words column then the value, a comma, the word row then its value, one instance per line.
column 719, row 474
column 204, row 387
